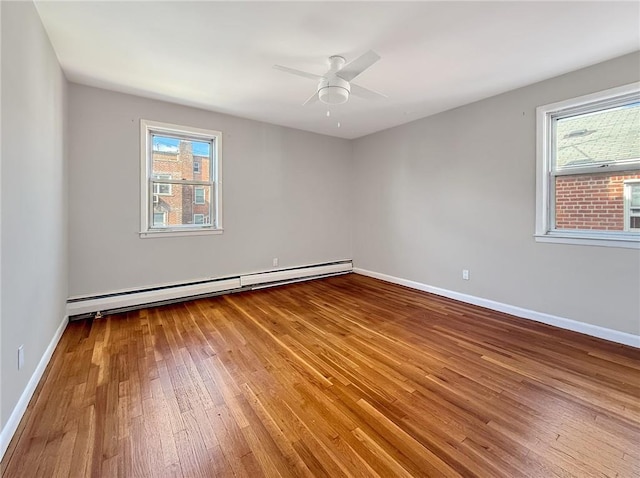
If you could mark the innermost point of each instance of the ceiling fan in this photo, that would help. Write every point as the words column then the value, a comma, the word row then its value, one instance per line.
column 335, row 87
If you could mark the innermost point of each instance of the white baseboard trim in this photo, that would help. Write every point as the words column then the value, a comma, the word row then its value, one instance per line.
column 18, row 411
column 561, row 322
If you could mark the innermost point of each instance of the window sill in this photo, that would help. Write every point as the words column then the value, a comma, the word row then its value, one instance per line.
column 626, row 242
column 175, row 233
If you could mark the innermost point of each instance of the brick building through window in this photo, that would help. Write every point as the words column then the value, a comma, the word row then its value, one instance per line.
column 181, row 203
column 593, row 201
column 595, row 161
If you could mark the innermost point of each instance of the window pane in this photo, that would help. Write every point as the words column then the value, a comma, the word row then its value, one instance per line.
column 185, row 202
column 591, row 201
column 181, row 158
column 606, row 136
column 635, row 222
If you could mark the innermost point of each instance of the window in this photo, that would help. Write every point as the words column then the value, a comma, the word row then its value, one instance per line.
column 174, row 200
column 632, row 205
column 159, row 218
column 199, row 196
column 161, row 189
column 588, row 169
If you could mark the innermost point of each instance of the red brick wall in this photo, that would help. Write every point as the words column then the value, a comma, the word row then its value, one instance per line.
column 591, row 201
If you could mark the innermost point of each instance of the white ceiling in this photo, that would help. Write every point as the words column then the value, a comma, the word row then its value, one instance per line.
column 435, row 55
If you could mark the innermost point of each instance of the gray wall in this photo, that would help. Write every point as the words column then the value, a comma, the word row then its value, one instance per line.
column 285, row 195
column 457, row 190
column 33, row 197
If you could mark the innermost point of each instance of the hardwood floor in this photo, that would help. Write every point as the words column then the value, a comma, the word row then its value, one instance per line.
column 347, row 376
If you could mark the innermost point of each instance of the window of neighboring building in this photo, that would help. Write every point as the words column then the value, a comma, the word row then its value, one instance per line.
column 632, row 205
column 588, row 164
column 159, row 218
column 170, row 189
column 199, row 197
column 161, row 189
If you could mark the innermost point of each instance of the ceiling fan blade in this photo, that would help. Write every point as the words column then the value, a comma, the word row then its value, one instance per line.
column 357, row 66
column 363, row 92
column 304, row 74
column 312, row 99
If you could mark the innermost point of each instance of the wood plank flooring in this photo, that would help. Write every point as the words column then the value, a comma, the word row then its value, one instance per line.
column 347, row 376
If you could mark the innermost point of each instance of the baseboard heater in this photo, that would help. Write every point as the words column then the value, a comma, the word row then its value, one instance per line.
column 87, row 306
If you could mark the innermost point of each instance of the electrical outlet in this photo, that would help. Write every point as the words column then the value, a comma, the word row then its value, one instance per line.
column 20, row 357
column 465, row 274
column 275, row 262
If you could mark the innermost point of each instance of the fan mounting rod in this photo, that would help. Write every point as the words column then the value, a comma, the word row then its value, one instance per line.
column 336, row 62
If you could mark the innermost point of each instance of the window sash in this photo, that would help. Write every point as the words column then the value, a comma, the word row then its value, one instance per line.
column 629, row 183
column 210, row 210
column 186, row 137
column 607, row 103
column 593, row 107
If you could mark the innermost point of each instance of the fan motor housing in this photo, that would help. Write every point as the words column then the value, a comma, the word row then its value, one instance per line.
column 333, row 91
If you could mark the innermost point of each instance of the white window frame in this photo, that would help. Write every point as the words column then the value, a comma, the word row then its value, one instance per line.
column 196, row 170
column 545, row 176
column 195, row 196
column 194, row 218
column 628, row 214
column 147, row 129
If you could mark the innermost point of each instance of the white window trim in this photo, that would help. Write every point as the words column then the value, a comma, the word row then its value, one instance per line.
column 198, row 214
column 544, row 156
column 215, row 169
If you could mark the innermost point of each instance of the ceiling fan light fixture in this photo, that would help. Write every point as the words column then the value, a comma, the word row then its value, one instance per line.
column 333, row 95
column 334, row 91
